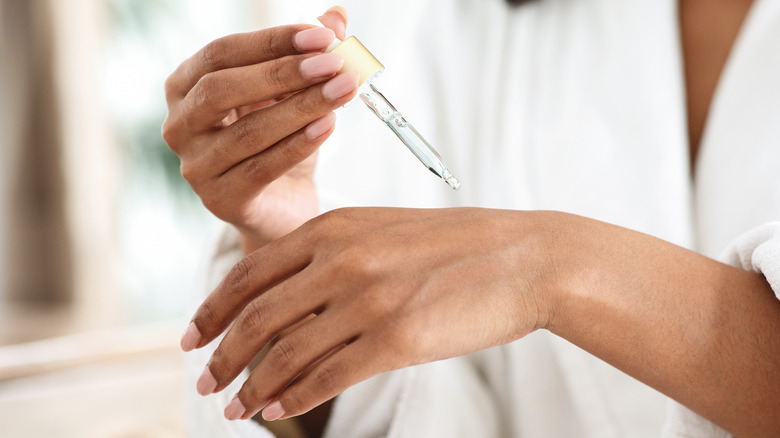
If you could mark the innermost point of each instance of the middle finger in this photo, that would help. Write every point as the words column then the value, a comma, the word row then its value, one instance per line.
column 219, row 92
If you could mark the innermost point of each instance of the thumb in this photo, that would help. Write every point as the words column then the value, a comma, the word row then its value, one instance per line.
column 335, row 19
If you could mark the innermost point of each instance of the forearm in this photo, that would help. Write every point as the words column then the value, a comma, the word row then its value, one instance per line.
column 704, row 333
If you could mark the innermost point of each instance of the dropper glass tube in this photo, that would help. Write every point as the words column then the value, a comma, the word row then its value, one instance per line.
column 357, row 57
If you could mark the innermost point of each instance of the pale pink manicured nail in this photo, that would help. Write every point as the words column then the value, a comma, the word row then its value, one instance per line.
column 334, row 20
column 320, row 126
column 321, row 65
column 235, row 409
column 191, row 338
column 315, row 38
column 341, row 85
column 274, row 411
column 206, row 382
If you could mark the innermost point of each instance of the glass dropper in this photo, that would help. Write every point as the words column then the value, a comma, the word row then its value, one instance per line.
column 357, row 57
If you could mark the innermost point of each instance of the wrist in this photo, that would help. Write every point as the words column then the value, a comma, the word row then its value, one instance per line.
column 569, row 267
column 274, row 217
column 546, row 251
column 250, row 242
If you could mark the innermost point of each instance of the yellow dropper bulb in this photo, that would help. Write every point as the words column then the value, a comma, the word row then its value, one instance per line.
column 357, row 57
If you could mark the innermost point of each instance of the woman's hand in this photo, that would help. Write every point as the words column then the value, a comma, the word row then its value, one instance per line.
column 245, row 116
column 390, row 288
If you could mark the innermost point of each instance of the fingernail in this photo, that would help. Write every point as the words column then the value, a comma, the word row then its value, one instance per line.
column 274, row 411
column 315, row 38
column 340, row 10
column 206, row 382
column 320, row 126
column 341, row 85
column 321, row 65
column 235, row 409
column 191, row 338
column 334, row 19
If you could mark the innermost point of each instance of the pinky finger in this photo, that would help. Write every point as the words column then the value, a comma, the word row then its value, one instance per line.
column 326, row 380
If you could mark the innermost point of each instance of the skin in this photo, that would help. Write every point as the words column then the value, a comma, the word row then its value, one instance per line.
column 338, row 299
column 708, row 29
column 237, row 115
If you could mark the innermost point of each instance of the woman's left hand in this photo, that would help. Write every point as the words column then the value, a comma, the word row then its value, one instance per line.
column 388, row 288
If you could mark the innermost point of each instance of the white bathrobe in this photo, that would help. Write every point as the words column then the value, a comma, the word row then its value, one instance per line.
column 572, row 105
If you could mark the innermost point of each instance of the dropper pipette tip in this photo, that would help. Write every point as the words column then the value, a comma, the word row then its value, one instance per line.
column 451, row 181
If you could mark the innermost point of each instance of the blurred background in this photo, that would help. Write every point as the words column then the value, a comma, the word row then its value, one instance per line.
column 100, row 238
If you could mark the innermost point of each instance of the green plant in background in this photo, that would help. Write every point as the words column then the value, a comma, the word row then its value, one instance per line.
column 147, row 157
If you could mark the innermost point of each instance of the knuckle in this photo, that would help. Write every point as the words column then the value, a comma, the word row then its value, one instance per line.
column 213, row 53
column 253, row 318
column 254, row 166
column 349, row 259
column 403, row 341
column 277, row 76
column 170, row 87
column 323, row 231
column 171, row 132
column 327, row 378
column 283, row 355
column 243, row 269
column 256, row 169
column 188, row 170
column 308, row 104
column 342, row 214
column 198, row 177
column 240, row 272
column 361, row 265
column 209, row 92
column 332, row 218
column 244, row 133
column 277, row 41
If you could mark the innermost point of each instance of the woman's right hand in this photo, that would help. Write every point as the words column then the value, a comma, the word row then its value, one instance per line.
column 245, row 116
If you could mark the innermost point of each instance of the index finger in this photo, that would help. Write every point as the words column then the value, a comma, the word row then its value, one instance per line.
column 244, row 49
column 249, row 278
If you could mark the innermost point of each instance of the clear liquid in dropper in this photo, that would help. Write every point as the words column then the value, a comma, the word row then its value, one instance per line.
column 407, row 134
